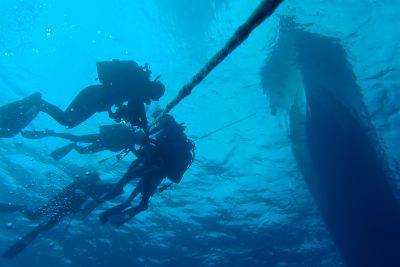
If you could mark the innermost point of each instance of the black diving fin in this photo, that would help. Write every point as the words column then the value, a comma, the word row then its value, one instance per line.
column 62, row 151
column 17, row 115
column 115, row 213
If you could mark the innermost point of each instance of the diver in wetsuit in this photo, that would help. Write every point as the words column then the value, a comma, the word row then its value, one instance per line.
column 69, row 201
column 124, row 86
column 168, row 155
column 114, row 137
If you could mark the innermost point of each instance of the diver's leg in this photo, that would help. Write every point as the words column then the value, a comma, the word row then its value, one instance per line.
column 119, row 208
column 126, row 215
column 135, row 170
column 87, row 138
column 54, row 112
column 149, row 185
column 90, row 100
column 68, row 136
column 115, row 190
column 37, row 134
column 48, row 133
column 140, row 169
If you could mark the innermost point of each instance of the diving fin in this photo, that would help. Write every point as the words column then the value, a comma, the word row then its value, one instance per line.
column 62, row 151
column 124, row 216
column 21, row 244
column 119, row 219
column 9, row 208
column 17, row 115
column 113, row 214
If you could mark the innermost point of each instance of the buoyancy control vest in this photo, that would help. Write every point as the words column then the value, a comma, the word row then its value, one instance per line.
column 119, row 72
column 174, row 147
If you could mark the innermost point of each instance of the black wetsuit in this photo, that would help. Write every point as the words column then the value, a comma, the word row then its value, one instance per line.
column 169, row 154
column 114, row 137
column 100, row 98
column 127, row 90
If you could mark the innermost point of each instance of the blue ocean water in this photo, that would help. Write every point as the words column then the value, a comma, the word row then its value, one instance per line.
column 244, row 201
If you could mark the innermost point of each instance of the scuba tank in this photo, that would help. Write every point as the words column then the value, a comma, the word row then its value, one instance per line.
column 117, row 71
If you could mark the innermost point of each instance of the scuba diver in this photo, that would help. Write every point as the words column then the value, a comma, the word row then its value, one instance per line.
column 168, row 155
column 68, row 202
column 114, row 137
column 125, row 88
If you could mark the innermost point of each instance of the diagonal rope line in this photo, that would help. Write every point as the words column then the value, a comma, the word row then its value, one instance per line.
column 265, row 9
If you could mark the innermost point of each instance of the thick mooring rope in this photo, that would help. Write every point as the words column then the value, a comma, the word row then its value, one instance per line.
column 262, row 12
